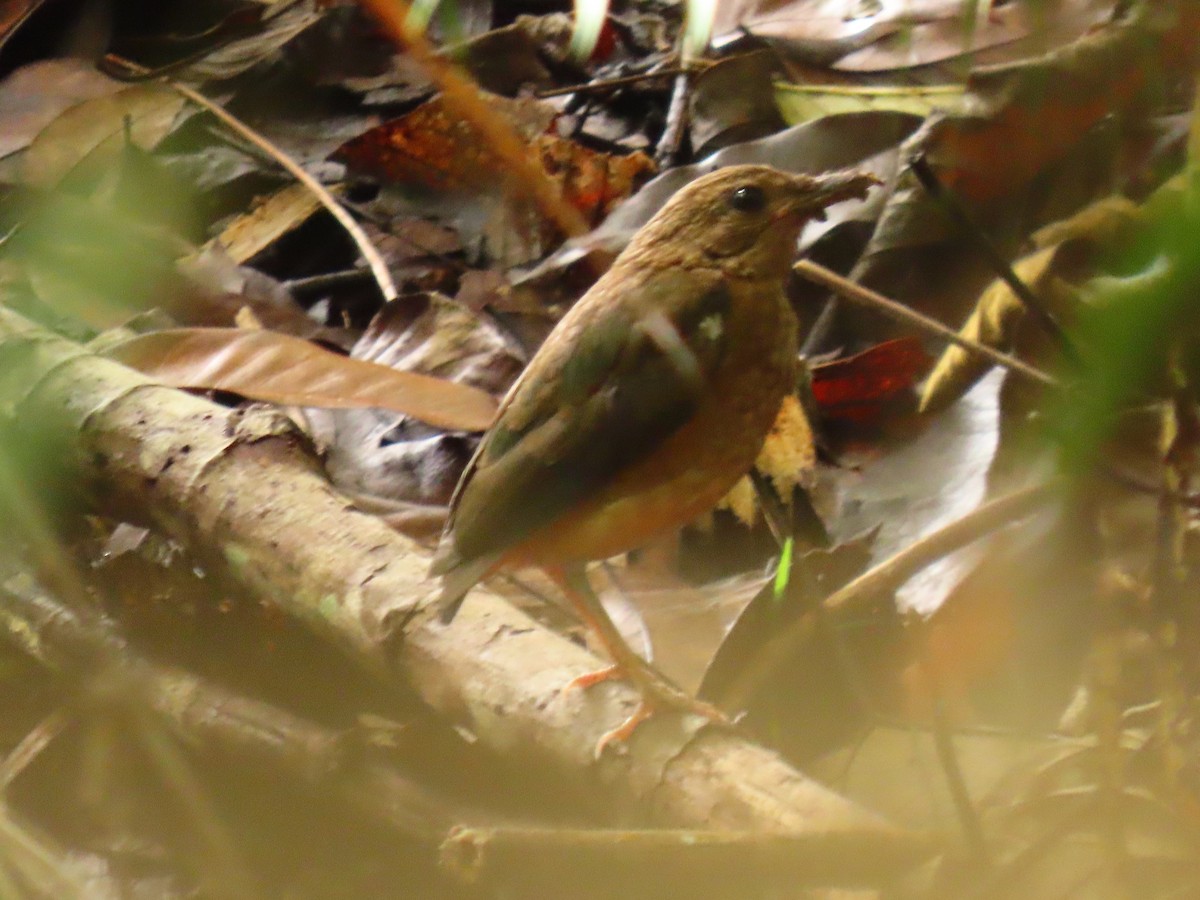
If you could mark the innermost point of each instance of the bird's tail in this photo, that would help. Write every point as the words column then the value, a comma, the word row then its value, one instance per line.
column 458, row 577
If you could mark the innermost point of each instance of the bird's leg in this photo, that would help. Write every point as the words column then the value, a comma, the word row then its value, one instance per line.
column 657, row 691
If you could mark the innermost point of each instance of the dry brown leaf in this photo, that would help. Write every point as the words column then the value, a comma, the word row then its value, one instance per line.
column 252, row 232
column 97, row 130
column 278, row 368
column 36, row 94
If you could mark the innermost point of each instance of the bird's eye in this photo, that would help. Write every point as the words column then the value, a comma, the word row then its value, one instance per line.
column 748, row 199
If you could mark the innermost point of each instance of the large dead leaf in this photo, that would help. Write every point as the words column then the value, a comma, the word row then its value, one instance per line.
column 987, row 33
column 96, row 131
column 35, row 95
column 885, row 36
column 1026, row 116
column 1027, row 149
column 281, row 369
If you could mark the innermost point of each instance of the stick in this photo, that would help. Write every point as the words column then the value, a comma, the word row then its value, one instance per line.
column 934, row 187
column 844, row 287
column 379, row 268
column 610, row 84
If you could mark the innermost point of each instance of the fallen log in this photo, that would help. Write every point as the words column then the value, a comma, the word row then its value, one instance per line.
column 243, row 486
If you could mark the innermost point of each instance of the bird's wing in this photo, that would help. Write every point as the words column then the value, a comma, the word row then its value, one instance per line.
column 628, row 375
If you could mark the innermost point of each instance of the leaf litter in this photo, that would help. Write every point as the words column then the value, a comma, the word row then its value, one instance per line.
column 1033, row 119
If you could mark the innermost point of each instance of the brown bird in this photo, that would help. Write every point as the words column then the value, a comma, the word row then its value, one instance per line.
column 645, row 405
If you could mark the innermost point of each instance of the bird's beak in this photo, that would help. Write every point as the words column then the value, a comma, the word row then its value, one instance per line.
column 816, row 193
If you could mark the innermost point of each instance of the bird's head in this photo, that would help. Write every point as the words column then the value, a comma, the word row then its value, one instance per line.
column 743, row 219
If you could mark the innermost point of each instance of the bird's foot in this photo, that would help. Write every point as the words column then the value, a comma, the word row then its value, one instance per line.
column 624, row 731
column 587, row 679
column 658, row 693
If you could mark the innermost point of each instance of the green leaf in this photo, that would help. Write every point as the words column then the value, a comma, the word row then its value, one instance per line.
column 804, row 102
column 784, row 573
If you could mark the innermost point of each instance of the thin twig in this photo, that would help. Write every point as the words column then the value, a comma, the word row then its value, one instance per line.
column 886, row 576
column 462, row 95
column 379, row 268
column 30, row 747
column 672, row 136
column 846, row 288
column 956, row 783
column 225, row 869
column 610, row 84
column 776, row 515
column 326, row 281
column 934, row 187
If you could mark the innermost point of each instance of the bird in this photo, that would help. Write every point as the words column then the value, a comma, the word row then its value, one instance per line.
column 645, row 404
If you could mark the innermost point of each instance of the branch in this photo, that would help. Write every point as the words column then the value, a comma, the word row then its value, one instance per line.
column 242, row 487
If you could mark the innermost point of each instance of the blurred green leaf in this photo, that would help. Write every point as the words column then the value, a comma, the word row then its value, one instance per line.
column 804, row 102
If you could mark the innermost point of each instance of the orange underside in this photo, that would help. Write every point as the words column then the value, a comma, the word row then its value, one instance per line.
column 696, row 466
column 598, row 531
column 686, row 477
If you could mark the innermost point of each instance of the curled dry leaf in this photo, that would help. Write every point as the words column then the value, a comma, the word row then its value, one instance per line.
column 998, row 313
column 993, row 324
column 1024, row 117
column 1023, row 128
column 734, row 100
column 281, row 369
column 266, row 34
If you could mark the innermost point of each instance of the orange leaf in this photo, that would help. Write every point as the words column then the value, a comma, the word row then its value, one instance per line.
column 431, row 148
column 278, row 368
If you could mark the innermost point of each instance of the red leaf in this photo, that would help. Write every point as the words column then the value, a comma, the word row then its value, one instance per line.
column 856, row 388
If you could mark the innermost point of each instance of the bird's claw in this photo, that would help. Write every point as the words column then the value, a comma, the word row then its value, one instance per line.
column 587, row 679
column 622, row 732
column 657, row 694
